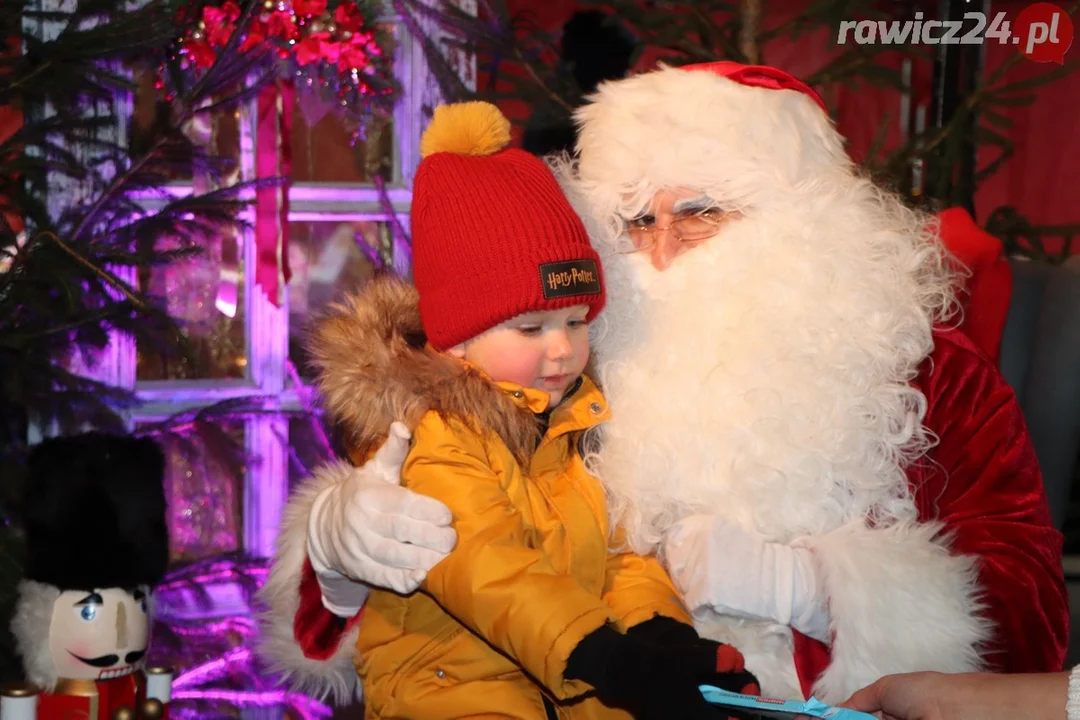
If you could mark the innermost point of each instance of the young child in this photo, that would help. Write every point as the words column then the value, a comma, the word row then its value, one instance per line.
column 484, row 360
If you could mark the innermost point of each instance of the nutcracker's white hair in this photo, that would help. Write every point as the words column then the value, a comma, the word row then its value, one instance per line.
column 30, row 626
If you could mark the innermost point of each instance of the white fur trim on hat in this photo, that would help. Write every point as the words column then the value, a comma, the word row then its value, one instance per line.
column 743, row 146
column 336, row 675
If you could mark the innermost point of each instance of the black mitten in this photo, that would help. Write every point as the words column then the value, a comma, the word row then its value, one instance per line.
column 645, row 680
column 662, row 630
column 729, row 671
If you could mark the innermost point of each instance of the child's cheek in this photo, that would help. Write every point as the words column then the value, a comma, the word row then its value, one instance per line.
column 521, row 369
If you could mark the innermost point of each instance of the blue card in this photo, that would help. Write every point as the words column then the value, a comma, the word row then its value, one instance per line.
column 767, row 708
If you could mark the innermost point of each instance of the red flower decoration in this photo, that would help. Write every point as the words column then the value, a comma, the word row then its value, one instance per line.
column 281, row 25
column 221, row 34
column 256, row 36
column 201, row 53
column 352, row 56
column 307, row 8
column 348, row 17
column 331, row 51
column 317, row 47
column 220, row 22
column 309, row 50
column 212, row 16
column 217, row 16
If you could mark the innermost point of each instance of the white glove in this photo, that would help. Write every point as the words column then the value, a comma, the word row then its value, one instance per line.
column 736, row 572
column 371, row 530
column 340, row 595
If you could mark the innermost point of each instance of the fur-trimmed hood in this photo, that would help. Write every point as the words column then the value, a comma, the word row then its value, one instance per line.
column 374, row 367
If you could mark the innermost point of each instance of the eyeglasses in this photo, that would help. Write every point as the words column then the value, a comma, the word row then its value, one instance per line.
column 698, row 225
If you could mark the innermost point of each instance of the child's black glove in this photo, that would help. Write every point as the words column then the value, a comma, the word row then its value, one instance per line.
column 730, row 671
column 652, row 681
column 662, row 630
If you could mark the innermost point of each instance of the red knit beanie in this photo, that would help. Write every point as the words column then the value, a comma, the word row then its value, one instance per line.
column 493, row 234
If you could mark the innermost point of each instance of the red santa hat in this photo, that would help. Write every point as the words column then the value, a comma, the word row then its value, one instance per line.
column 740, row 133
column 758, row 76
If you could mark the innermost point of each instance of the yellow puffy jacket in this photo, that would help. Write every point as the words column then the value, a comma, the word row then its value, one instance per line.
column 531, row 574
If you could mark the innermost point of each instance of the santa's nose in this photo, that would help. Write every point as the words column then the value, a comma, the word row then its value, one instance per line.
column 667, row 247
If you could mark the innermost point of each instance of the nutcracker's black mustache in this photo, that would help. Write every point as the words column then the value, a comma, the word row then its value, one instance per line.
column 101, row 662
column 109, row 660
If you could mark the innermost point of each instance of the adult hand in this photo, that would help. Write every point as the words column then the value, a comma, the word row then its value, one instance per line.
column 967, row 696
column 370, row 529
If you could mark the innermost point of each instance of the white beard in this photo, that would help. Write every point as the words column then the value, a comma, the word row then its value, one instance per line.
column 764, row 377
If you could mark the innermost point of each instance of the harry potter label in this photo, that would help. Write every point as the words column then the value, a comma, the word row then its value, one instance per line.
column 570, row 277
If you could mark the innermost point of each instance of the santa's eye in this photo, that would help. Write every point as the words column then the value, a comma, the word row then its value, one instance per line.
column 88, row 612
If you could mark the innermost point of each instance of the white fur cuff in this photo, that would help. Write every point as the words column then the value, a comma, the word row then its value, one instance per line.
column 335, row 676
column 899, row 602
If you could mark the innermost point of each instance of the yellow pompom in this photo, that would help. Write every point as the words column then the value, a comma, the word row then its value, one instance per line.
column 469, row 128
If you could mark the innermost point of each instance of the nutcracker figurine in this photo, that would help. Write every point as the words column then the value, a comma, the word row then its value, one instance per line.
column 97, row 543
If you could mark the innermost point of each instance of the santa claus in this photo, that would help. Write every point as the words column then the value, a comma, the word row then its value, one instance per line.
column 841, row 485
